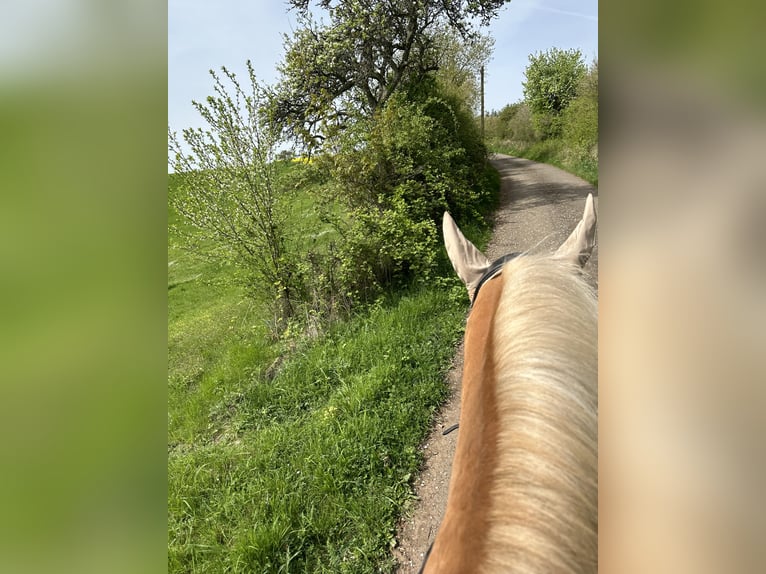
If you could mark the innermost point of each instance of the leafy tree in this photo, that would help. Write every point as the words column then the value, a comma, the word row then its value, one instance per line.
column 336, row 73
column 500, row 125
column 229, row 189
column 459, row 61
column 589, row 84
column 400, row 147
column 509, row 112
column 552, row 81
column 381, row 88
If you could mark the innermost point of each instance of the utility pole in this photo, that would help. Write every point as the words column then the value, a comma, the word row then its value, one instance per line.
column 482, row 103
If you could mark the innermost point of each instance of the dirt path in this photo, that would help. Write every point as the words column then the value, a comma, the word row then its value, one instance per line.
column 539, row 207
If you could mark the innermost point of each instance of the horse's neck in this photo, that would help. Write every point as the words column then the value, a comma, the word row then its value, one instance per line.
column 544, row 513
column 523, row 492
column 460, row 545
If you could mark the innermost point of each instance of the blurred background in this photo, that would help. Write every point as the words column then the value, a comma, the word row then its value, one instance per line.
column 682, row 288
column 83, row 130
column 82, row 311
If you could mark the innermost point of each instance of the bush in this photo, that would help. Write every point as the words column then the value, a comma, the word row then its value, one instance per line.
column 420, row 155
column 230, row 190
column 382, row 184
column 580, row 131
column 520, row 126
column 513, row 126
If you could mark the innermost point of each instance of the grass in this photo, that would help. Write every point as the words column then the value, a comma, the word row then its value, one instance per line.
column 296, row 455
column 315, row 465
column 212, row 331
column 552, row 152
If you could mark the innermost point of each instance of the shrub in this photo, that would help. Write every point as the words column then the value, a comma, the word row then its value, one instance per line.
column 420, row 155
column 520, row 127
column 230, row 190
column 580, row 131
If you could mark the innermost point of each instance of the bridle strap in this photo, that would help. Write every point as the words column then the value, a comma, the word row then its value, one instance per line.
column 492, row 271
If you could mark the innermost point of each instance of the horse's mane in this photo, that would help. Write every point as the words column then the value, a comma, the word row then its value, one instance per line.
column 544, row 515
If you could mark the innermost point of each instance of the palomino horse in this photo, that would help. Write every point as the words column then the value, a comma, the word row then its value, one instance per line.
column 523, row 496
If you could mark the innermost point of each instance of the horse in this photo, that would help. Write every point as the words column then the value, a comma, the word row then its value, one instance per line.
column 523, row 494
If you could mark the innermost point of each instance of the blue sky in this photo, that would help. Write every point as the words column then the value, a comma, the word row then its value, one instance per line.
column 205, row 34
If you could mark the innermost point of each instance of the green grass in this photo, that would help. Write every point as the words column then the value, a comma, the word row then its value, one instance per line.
column 316, row 463
column 552, row 152
column 296, row 455
column 213, row 330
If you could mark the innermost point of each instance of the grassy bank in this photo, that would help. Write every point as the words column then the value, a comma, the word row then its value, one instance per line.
column 553, row 152
column 295, row 455
column 313, row 467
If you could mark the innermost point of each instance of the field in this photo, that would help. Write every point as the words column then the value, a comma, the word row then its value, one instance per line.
column 296, row 453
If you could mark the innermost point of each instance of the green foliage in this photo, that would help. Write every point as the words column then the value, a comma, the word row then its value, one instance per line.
column 568, row 139
column 552, row 80
column 580, row 132
column 306, row 466
column 459, row 61
column 336, row 73
column 512, row 123
column 521, row 126
column 419, row 156
column 374, row 220
column 230, row 192
column 581, row 126
column 395, row 139
column 509, row 112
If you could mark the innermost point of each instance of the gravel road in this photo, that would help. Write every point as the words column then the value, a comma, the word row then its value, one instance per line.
column 539, row 206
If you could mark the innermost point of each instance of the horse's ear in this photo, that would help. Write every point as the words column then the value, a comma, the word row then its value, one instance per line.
column 469, row 263
column 579, row 245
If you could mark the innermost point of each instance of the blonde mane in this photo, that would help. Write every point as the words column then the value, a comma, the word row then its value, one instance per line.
column 544, row 494
column 523, row 496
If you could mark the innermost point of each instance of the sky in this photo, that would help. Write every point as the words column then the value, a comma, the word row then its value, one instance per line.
column 205, row 34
